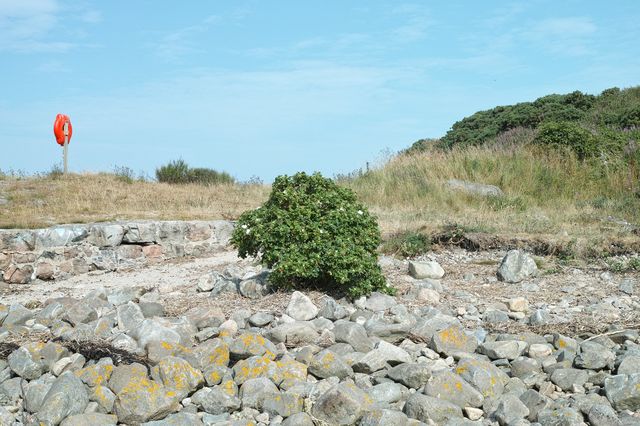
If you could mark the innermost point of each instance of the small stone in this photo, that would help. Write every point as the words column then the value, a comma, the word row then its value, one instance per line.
column 565, row 378
column 453, row 340
column 451, row 387
column 329, row 364
column 260, row 319
column 510, row 410
column 301, row 308
column 412, row 375
column 473, row 413
column 425, row 269
column 353, row 334
column 429, row 409
column 516, row 266
column 378, row 302
column 539, row 350
column 343, row 404
column 504, row 349
column 627, row 286
column 518, row 304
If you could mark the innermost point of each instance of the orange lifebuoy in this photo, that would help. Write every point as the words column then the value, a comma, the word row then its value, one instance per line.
column 58, row 128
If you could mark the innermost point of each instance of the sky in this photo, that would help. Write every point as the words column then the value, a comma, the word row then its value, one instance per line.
column 263, row 88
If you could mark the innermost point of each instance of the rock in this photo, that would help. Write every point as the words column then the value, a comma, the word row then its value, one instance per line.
column 282, row 404
column 518, row 304
column 387, row 393
column 299, row 419
column 122, row 375
column 510, row 410
column 453, row 340
column 253, row 391
column 353, row 334
column 295, row 333
column 151, row 329
column 104, row 397
column 516, row 266
column 301, row 308
column 178, row 419
column 451, row 387
column 90, row 419
column 261, row 319
column 106, row 235
column 97, row 374
column 35, row 391
column 332, row 310
column 79, row 313
column 560, row 417
column 603, row 415
column 17, row 315
column 22, row 274
column 539, row 350
column 343, row 404
column 475, row 188
column 66, row 397
column 22, row 363
column 425, row 269
column 392, row 354
column 623, row 391
column 505, row 349
column 488, row 379
column 129, row 316
column 594, row 356
column 141, row 399
column 215, row 400
column 566, row 378
column 378, row 302
column 412, row 375
column 328, row 364
column 429, row 409
column 540, row 317
column 179, row 376
column 251, row 344
column 254, row 288
column 630, row 364
column 384, row 417
column 627, row 286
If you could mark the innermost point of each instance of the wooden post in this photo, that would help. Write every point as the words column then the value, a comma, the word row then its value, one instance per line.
column 66, row 144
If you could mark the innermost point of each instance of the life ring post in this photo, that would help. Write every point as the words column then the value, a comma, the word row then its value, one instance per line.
column 65, row 129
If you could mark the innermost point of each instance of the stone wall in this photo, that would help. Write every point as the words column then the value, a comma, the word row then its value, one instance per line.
column 65, row 250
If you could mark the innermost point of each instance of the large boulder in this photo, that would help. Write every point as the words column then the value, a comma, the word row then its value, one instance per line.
column 516, row 266
column 66, row 397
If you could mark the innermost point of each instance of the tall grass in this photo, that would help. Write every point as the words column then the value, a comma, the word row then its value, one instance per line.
column 545, row 191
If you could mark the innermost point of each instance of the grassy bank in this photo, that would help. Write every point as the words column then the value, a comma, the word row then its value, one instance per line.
column 547, row 193
column 42, row 200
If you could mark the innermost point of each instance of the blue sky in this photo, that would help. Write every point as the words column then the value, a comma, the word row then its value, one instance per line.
column 270, row 87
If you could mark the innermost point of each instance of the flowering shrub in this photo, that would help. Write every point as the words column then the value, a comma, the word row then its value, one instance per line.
column 313, row 234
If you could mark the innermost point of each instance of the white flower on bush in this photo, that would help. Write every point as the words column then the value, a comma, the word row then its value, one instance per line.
column 360, row 212
column 248, row 231
column 244, row 226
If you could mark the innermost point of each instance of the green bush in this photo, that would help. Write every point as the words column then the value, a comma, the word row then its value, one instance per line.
column 407, row 244
column 313, row 234
column 570, row 135
column 179, row 172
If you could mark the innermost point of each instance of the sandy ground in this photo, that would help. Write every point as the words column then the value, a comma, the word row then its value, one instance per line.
column 470, row 281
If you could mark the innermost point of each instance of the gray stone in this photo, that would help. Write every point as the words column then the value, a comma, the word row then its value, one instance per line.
column 623, row 391
column 120, row 295
column 560, row 417
column 630, row 364
column 388, row 331
column 104, row 397
column 353, row 334
column 215, row 400
column 6, row 418
column 387, row 393
column 326, row 364
column 129, row 316
column 301, row 308
column 510, row 410
column 540, row 317
column 425, row 269
column 260, row 319
column 122, row 375
column 35, row 391
column 534, row 402
column 475, row 188
column 294, row 333
column 603, row 415
column 429, row 409
column 142, row 399
column 495, row 317
column 179, row 376
column 79, row 313
column 178, row 419
column 253, row 391
column 152, row 329
column 378, row 302
column 516, row 266
column 451, row 387
column 384, row 417
column 254, row 288
column 453, row 340
column 282, row 404
column 412, row 375
column 505, row 349
column 566, row 378
column 332, row 310
column 17, row 315
column 594, row 356
column 90, row 419
column 343, row 404
column 298, row 419
column 627, row 286
column 250, row 344
column 66, row 397
column 488, row 379
column 22, row 363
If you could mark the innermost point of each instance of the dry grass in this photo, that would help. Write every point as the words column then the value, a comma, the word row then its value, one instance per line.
column 40, row 201
column 547, row 193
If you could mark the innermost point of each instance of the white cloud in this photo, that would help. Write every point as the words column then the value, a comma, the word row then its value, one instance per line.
column 184, row 40
column 24, row 25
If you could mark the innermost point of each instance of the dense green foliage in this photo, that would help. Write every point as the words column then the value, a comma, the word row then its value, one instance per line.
column 313, row 234
column 179, row 172
column 590, row 125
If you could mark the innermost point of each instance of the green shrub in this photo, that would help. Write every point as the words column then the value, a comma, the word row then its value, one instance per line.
column 179, row 172
column 124, row 174
column 176, row 171
column 407, row 244
column 313, row 234
column 570, row 135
